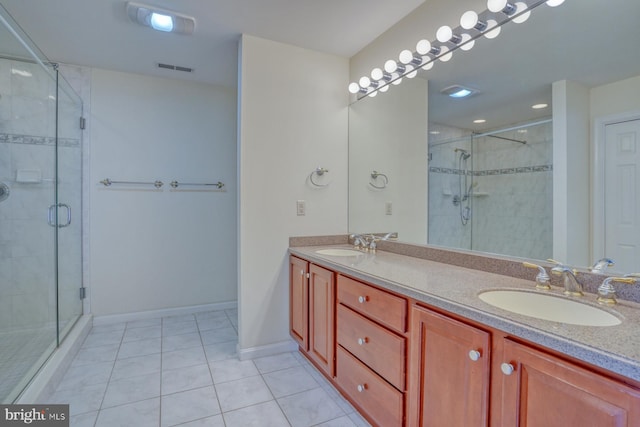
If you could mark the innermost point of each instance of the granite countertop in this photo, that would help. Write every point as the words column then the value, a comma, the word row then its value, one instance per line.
column 455, row 289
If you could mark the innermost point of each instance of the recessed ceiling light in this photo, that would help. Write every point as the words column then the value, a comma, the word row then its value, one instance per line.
column 539, row 106
column 161, row 20
column 434, row 132
column 457, row 91
column 478, row 121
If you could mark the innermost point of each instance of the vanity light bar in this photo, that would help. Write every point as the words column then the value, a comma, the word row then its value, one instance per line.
column 447, row 41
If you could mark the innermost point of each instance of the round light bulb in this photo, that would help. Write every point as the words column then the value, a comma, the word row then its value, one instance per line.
column 469, row 20
column 465, row 44
column 354, row 88
column 554, row 3
column 444, row 34
column 428, row 66
column 372, row 94
column 384, row 88
column 397, row 81
column 493, row 30
column 411, row 72
column 365, row 82
column 406, row 56
column 377, row 74
column 445, row 54
column 496, row 6
column 423, row 47
column 390, row 66
column 520, row 8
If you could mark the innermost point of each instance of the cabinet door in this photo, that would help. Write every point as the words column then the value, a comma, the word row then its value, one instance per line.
column 540, row 390
column 299, row 301
column 449, row 372
column 322, row 317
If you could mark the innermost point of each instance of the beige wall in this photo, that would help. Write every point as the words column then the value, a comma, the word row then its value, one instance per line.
column 292, row 119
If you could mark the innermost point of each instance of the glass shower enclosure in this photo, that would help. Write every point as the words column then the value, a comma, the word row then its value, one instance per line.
column 40, row 208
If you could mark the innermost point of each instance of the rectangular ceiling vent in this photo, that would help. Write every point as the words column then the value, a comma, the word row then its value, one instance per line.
column 175, row 68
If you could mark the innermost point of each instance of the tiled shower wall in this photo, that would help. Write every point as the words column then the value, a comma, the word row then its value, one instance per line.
column 513, row 198
column 27, row 143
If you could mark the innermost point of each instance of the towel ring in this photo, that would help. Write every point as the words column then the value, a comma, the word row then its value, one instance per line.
column 318, row 171
column 374, row 177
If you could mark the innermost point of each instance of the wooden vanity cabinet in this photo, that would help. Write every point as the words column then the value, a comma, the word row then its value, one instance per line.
column 371, row 350
column 449, row 375
column 541, row 390
column 312, row 312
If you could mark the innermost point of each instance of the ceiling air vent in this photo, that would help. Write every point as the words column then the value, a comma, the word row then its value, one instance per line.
column 175, row 67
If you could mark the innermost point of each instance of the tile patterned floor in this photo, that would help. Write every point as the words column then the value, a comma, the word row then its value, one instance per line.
column 183, row 371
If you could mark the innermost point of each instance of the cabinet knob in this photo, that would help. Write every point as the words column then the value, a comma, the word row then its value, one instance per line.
column 362, row 387
column 507, row 368
column 302, row 272
column 363, row 341
column 363, row 299
column 475, row 355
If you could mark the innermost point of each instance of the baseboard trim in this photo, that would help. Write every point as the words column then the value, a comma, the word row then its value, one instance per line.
column 48, row 378
column 142, row 315
column 266, row 350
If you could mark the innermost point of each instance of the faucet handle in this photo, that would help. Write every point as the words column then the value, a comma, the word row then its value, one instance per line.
column 542, row 279
column 637, row 275
column 606, row 291
column 601, row 265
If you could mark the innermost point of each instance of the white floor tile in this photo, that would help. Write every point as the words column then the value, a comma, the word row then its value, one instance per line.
column 102, row 338
column 80, row 399
column 215, row 336
column 137, row 334
column 177, row 319
column 232, row 369
column 244, row 392
column 209, row 324
column 180, row 342
column 103, row 353
column 344, row 421
column 290, row 381
column 276, row 362
column 179, row 328
column 136, row 366
column 145, row 413
column 144, row 323
column 81, row 376
column 266, row 414
column 309, row 408
column 128, row 390
column 188, row 406
column 215, row 421
column 182, row 379
column 109, row 327
column 183, row 358
column 84, row 420
column 221, row 351
column 140, row 348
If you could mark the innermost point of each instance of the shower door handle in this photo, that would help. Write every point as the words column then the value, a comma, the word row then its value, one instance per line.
column 51, row 217
column 63, row 205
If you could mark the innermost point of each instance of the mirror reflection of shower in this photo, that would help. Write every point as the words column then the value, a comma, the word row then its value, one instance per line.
column 463, row 198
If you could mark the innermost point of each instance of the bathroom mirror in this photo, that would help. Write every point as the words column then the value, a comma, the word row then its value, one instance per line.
column 488, row 186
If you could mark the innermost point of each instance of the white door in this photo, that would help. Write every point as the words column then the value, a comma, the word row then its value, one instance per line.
column 622, row 195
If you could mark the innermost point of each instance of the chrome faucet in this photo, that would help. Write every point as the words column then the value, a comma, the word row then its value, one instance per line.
column 571, row 285
column 601, row 265
column 359, row 241
column 542, row 278
column 606, row 291
column 373, row 245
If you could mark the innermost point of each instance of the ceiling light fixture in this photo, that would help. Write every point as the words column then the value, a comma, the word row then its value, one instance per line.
column 472, row 26
column 479, row 121
column 160, row 20
column 457, row 91
column 539, row 106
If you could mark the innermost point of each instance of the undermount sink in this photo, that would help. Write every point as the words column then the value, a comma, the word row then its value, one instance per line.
column 549, row 307
column 338, row 252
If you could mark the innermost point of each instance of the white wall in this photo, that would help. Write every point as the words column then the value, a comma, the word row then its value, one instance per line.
column 160, row 249
column 615, row 98
column 292, row 119
column 396, row 145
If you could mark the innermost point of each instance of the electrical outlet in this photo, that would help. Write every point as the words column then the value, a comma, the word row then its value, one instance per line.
column 388, row 208
column 301, row 208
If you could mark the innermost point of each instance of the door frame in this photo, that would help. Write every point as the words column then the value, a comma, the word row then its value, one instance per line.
column 598, row 177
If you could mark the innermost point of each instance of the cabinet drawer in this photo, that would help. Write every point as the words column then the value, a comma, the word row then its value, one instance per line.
column 375, row 397
column 381, row 306
column 380, row 349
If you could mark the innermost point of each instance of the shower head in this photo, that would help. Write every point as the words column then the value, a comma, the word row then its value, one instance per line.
column 464, row 154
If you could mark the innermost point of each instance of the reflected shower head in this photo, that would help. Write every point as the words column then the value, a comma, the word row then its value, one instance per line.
column 464, row 154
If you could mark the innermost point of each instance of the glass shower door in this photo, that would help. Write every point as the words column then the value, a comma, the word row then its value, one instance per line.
column 69, row 207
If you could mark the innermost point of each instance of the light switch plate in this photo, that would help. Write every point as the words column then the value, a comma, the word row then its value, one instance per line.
column 301, row 207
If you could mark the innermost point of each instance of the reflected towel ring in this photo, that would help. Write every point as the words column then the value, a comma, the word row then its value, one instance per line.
column 374, row 177
column 319, row 171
